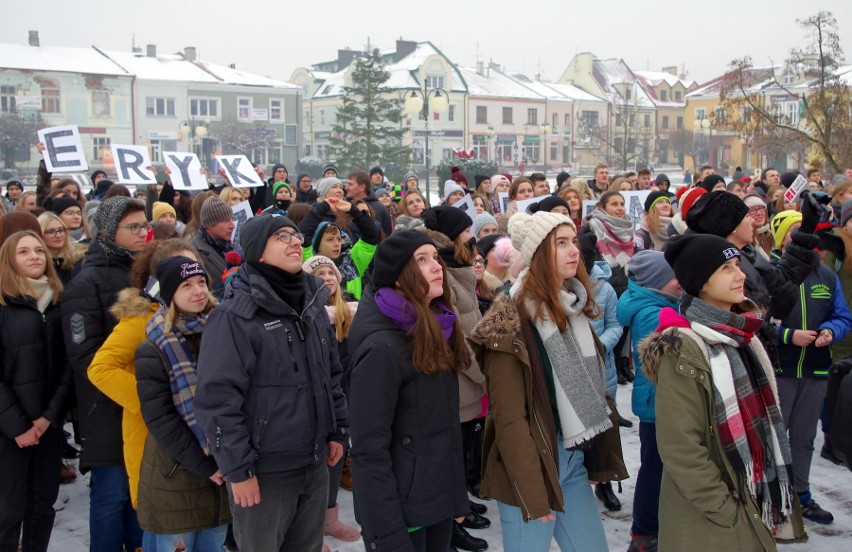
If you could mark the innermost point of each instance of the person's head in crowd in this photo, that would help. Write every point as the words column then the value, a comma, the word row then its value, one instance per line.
column 770, row 177
column 738, row 188
column 117, row 190
column 708, row 267
column 195, row 211
column 72, row 189
column 842, row 192
column 541, row 186
column 561, row 179
column 217, row 219
column 632, row 177
column 325, row 269
column 298, row 211
column 164, row 230
column 574, row 200
column 377, row 176
column 601, row 176
column 552, row 204
column 612, row 203
column 411, row 182
column 756, row 209
column 497, row 251
column 702, row 173
column 163, row 212
column 121, row 222
column 184, row 288
column 522, row 188
column 453, row 193
column 24, row 258
column 281, row 191
column 457, row 176
column 358, row 185
column 97, row 176
column 455, row 225
column 145, row 263
column 272, row 240
column 483, row 184
column 658, row 209
column 481, row 204
column 17, row 221
column 57, row 238
column 484, row 225
column 330, row 186
column 499, row 183
column 329, row 240
column 384, row 197
column 231, row 196
column 662, row 182
column 713, row 183
column 14, row 189
column 330, row 171
column 303, row 181
column 413, row 204
column 783, row 225
column 27, row 202
column 649, row 269
column 620, row 184
column 724, row 215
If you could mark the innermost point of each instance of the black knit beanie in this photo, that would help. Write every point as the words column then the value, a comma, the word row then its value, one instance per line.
column 718, row 213
column 60, row 204
column 548, row 204
column 695, row 257
column 788, row 178
column 448, row 220
column 394, row 253
column 487, row 243
column 255, row 232
column 710, row 181
column 172, row 271
column 653, row 197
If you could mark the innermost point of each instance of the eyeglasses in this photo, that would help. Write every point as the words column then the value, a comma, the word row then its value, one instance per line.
column 287, row 237
column 136, row 228
column 53, row 232
column 757, row 209
column 74, row 213
column 482, row 262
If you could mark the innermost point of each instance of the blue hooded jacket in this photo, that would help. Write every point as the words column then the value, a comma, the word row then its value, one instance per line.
column 606, row 326
column 639, row 308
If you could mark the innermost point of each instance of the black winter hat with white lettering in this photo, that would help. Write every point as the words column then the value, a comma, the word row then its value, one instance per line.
column 695, row 257
column 173, row 271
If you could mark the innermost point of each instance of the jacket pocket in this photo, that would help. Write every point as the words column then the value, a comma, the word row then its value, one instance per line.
column 282, row 419
column 404, row 466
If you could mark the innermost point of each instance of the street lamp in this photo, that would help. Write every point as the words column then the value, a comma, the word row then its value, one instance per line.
column 702, row 128
column 193, row 130
column 545, row 128
column 436, row 102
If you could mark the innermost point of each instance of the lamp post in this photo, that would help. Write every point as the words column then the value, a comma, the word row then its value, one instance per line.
column 545, row 128
column 422, row 102
column 194, row 130
column 702, row 128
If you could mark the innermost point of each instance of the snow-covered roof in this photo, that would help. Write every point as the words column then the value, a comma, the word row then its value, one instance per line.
column 655, row 78
column 574, row 93
column 227, row 75
column 493, row 83
column 612, row 72
column 58, row 59
column 174, row 67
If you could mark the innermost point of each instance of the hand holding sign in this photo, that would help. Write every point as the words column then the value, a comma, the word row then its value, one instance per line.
column 239, row 172
column 62, row 149
column 185, row 170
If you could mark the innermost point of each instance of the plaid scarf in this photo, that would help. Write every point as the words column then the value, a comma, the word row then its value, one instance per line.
column 220, row 246
column 748, row 417
column 615, row 237
column 181, row 364
column 578, row 371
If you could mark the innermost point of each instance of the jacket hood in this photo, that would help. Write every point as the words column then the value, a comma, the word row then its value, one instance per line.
column 96, row 256
column 637, row 298
column 600, row 271
column 442, row 241
column 502, row 320
column 653, row 348
column 132, row 302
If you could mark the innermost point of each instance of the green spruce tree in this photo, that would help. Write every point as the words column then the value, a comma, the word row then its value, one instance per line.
column 367, row 131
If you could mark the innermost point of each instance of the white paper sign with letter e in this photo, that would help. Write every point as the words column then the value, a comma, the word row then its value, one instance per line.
column 239, row 172
column 131, row 164
column 185, row 170
column 63, row 150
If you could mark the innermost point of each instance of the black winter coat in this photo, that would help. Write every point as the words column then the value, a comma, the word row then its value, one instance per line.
column 406, row 436
column 86, row 323
column 175, row 492
column 361, row 227
column 382, row 215
column 268, row 395
column 35, row 379
column 306, row 197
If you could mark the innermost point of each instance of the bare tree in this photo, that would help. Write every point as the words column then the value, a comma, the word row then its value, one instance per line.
column 237, row 137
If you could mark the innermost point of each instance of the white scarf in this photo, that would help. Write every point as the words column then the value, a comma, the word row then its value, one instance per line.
column 43, row 292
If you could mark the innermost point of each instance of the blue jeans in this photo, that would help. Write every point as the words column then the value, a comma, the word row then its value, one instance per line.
column 578, row 529
column 206, row 540
column 112, row 519
column 646, row 497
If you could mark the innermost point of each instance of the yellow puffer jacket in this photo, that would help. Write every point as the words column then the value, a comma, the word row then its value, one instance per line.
column 113, row 372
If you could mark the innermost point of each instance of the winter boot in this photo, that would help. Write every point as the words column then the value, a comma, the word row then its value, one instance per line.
column 336, row 528
column 346, row 476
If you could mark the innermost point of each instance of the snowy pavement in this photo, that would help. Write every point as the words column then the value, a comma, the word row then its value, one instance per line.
column 831, row 486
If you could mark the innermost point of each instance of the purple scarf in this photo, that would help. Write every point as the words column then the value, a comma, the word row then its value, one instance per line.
column 402, row 312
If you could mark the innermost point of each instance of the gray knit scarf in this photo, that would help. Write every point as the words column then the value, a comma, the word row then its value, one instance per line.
column 576, row 365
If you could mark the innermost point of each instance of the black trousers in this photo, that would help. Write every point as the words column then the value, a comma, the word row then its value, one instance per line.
column 29, row 489
column 472, row 432
column 434, row 538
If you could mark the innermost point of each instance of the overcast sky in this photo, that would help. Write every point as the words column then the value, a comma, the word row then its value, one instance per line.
column 273, row 37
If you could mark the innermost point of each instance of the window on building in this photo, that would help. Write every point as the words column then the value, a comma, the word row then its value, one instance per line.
column 322, row 117
column 507, row 115
column 291, row 135
column 531, row 152
column 434, row 81
column 100, row 103
column 665, row 121
column 700, row 113
column 7, row 98
column 589, row 121
column 720, row 116
column 567, row 126
column 204, row 107
column 664, row 95
column 789, row 76
column 244, row 107
column 451, row 113
column 51, row 101
column 307, row 116
column 276, row 110
column 482, row 114
column 632, row 120
column 679, row 123
column 619, row 120
column 554, row 151
column 436, row 116
column 532, row 116
column 480, row 146
column 678, row 95
column 647, row 121
column 159, row 107
column 100, row 144
column 554, row 121
column 792, row 114
column 447, row 153
column 157, row 148
column 307, row 150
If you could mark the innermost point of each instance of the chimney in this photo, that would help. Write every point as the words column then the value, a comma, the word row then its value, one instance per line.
column 344, row 58
column 232, row 66
column 189, row 53
column 34, row 39
column 137, row 50
column 480, row 68
column 403, row 49
column 670, row 70
column 151, row 50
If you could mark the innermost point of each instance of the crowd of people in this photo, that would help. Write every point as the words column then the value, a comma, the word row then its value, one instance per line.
column 220, row 381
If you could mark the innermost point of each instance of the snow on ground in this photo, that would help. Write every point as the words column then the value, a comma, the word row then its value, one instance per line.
column 831, row 486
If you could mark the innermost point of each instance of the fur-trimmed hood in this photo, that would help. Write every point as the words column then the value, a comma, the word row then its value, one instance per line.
column 492, row 281
column 501, row 321
column 131, row 302
column 442, row 241
column 653, row 348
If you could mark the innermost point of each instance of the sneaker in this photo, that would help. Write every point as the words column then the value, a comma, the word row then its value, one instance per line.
column 643, row 544
column 812, row 511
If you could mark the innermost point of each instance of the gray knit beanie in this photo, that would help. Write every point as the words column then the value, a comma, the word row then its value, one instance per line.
column 482, row 219
column 214, row 211
column 325, row 185
column 650, row 269
column 110, row 213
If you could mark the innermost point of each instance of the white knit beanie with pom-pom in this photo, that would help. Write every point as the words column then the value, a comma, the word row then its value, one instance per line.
column 529, row 231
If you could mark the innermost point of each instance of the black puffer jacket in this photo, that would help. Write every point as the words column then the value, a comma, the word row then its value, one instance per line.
column 361, row 227
column 86, row 323
column 175, row 492
column 34, row 376
column 268, row 395
column 406, row 436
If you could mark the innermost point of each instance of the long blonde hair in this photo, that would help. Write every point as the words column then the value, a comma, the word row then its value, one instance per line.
column 13, row 282
column 70, row 252
column 172, row 311
column 342, row 314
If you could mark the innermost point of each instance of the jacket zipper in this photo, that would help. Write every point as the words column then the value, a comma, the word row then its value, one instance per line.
column 524, row 504
column 804, row 327
column 172, row 471
column 546, row 444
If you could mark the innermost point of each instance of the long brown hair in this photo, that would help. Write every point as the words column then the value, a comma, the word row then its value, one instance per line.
column 404, row 203
column 605, row 199
column 145, row 264
column 430, row 352
column 516, row 184
column 195, row 218
column 652, row 219
column 542, row 284
column 13, row 283
column 71, row 252
column 847, row 247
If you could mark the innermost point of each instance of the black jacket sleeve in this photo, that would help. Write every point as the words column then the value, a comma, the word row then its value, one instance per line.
column 366, row 227
column 162, row 418
column 42, row 183
column 312, row 220
column 57, row 405
column 83, row 323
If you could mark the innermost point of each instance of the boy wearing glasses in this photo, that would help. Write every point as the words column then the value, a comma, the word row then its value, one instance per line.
column 87, row 322
column 268, row 395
